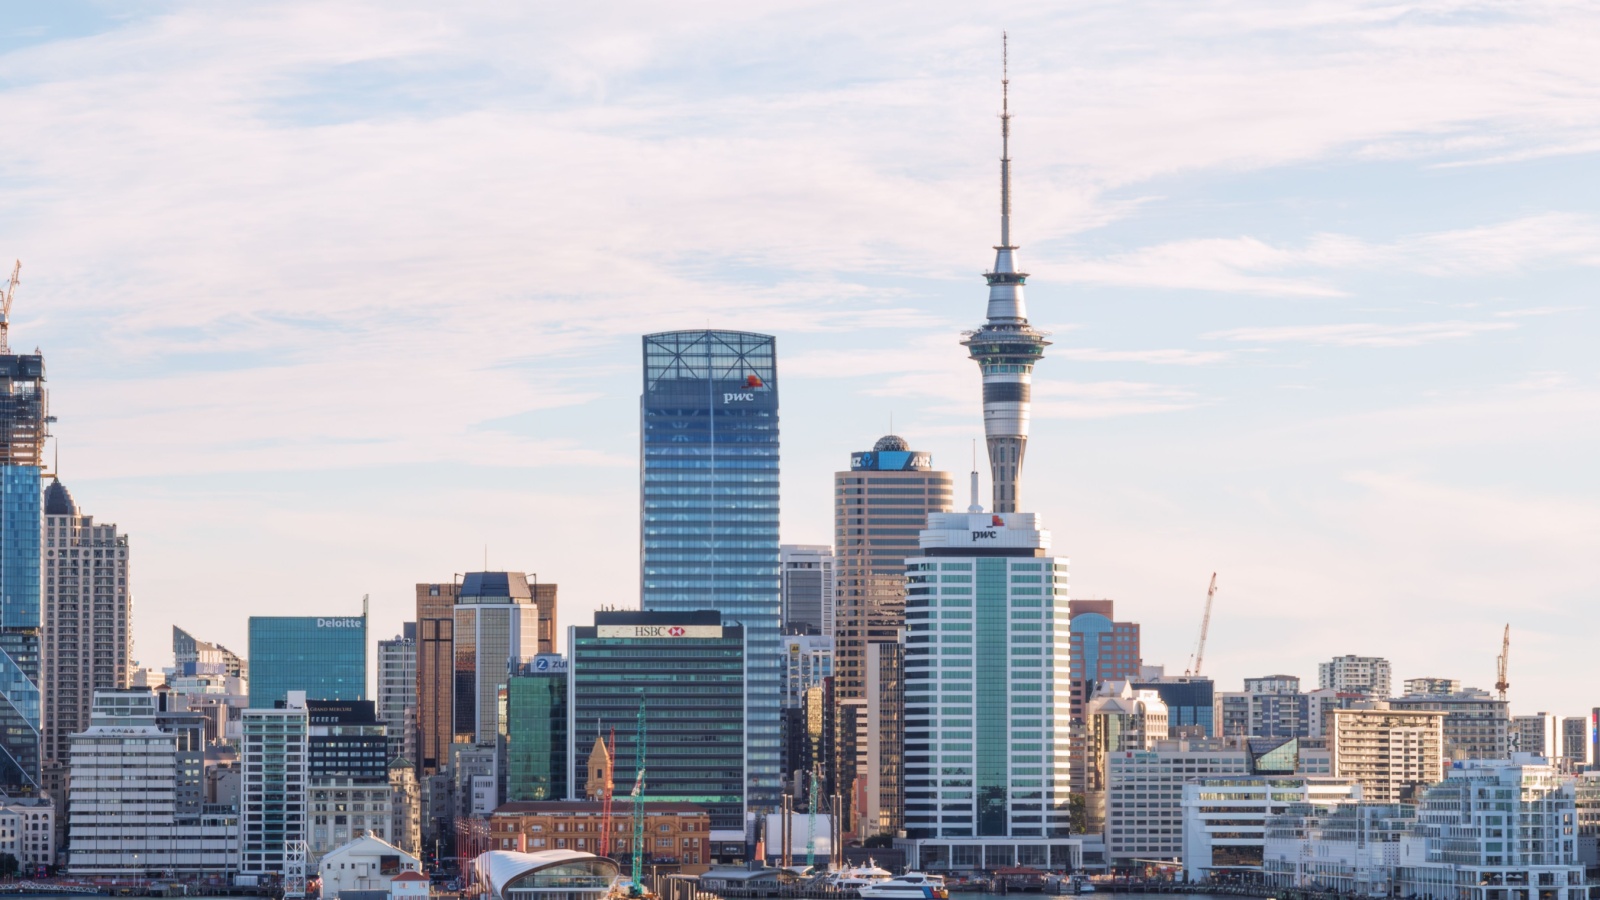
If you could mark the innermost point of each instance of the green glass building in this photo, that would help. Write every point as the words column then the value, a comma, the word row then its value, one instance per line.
column 689, row 670
column 536, row 731
column 324, row 656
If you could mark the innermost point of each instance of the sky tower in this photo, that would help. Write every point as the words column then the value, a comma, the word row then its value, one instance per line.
column 1006, row 347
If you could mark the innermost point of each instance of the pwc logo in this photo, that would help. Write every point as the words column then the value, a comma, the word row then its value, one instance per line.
column 752, row 383
column 985, row 535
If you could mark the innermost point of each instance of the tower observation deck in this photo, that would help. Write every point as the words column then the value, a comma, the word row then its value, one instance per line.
column 1006, row 347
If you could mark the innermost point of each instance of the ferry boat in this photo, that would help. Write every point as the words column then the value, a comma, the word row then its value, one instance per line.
column 910, row 886
column 856, row 878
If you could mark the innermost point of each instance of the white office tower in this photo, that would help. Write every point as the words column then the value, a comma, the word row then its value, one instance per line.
column 986, row 697
column 137, row 796
column 273, row 814
column 808, row 586
column 397, row 693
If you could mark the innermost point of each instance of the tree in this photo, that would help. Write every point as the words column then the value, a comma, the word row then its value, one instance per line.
column 9, row 866
column 1078, row 813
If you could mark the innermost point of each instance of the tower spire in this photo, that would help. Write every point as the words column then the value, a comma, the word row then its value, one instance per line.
column 1006, row 347
column 1005, row 140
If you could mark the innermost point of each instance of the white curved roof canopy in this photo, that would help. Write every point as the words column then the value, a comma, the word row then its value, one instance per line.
column 501, row 870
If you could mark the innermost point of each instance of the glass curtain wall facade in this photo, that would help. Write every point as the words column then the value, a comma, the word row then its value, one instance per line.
column 23, row 409
column 536, row 732
column 986, row 738
column 496, row 632
column 688, row 669
column 709, row 510
column 325, row 657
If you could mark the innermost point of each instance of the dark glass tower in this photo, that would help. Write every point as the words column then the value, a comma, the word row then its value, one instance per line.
column 23, row 414
column 709, row 510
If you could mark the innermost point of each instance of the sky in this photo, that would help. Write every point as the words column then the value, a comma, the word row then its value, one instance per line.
column 336, row 298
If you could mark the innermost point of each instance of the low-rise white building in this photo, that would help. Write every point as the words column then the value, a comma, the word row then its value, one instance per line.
column 137, row 801
column 1495, row 830
column 364, row 864
column 1352, row 848
column 28, row 831
column 1225, row 818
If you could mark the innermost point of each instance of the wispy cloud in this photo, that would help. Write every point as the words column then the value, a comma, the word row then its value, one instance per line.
column 1361, row 334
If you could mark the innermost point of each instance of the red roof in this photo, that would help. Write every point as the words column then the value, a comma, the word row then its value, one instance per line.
column 411, row 876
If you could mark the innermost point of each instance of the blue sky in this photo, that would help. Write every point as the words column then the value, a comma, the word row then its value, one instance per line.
column 335, row 296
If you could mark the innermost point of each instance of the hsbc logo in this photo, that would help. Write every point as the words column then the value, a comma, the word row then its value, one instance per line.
column 675, row 631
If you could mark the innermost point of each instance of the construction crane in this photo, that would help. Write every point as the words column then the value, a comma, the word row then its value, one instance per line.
column 1501, row 685
column 637, row 888
column 5, row 307
column 1199, row 657
column 811, row 822
column 607, row 789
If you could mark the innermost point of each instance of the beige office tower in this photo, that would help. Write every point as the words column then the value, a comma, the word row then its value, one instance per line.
column 1392, row 753
column 436, row 617
column 881, row 505
column 87, row 641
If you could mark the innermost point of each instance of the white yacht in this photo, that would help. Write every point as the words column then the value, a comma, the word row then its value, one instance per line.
column 910, row 886
column 856, row 878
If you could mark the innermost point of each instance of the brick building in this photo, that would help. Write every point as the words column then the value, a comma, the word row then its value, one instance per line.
column 678, row 834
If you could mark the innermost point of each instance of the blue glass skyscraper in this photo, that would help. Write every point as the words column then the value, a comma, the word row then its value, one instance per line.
column 22, row 435
column 708, row 438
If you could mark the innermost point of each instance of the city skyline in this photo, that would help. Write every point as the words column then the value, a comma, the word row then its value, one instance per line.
column 1334, row 352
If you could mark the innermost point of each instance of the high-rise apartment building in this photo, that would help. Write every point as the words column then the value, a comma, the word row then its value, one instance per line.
column 709, row 511
column 23, row 412
column 1431, row 686
column 137, row 797
column 1367, row 675
column 687, row 671
column 87, row 634
column 1575, row 741
column 1476, row 723
column 436, row 628
column 496, row 633
column 324, row 656
column 884, row 790
column 1392, row 753
column 397, row 692
column 1538, row 733
column 274, row 791
column 807, row 588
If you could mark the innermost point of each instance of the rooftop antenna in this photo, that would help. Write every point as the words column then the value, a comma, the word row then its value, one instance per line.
column 975, row 506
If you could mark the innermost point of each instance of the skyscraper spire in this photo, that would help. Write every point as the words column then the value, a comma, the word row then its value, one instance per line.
column 1006, row 347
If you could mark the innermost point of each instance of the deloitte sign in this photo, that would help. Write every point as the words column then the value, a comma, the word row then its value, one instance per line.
column 356, row 622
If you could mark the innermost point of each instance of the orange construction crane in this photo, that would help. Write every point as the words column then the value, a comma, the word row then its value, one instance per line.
column 605, row 797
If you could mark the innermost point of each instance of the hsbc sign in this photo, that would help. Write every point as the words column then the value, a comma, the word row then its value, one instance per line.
column 658, row 631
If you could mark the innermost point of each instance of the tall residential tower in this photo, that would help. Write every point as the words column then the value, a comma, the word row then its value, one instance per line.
column 708, row 436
